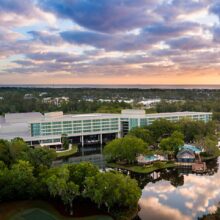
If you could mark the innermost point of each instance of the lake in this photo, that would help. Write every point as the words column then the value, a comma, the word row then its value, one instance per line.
column 178, row 194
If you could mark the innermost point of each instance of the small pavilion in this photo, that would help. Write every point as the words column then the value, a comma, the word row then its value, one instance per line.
column 186, row 156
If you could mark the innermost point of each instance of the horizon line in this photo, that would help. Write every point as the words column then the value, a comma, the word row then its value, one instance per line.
column 116, row 86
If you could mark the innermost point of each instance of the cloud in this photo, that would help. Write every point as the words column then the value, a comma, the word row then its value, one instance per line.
column 106, row 15
column 171, row 10
column 216, row 34
column 90, row 38
column 56, row 56
column 103, row 38
column 189, row 43
column 45, row 37
column 124, row 42
column 153, row 209
column 215, row 8
column 126, row 60
column 25, row 7
column 108, row 42
column 172, row 29
column 17, row 13
column 197, row 196
column 166, row 52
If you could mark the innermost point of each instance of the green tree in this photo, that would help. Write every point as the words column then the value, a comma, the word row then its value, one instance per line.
column 65, row 141
column 161, row 128
column 142, row 133
column 211, row 128
column 11, row 151
column 79, row 172
column 124, row 149
column 18, row 149
column 192, row 130
column 41, row 156
column 59, row 185
column 22, row 181
column 4, row 152
column 171, row 144
column 210, row 145
column 112, row 190
column 5, row 192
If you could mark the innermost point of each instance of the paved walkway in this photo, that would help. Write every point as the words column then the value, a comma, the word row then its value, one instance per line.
column 69, row 149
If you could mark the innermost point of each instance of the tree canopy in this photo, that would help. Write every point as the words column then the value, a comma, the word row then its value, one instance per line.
column 17, row 149
column 142, row 133
column 124, row 149
column 114, row 190
column 18, row 182
column 161, row 128
column 171, row 144
column 59, row 184
column 79, row 172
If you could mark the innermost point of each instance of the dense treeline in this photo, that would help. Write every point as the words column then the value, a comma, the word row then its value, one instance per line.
column 14, row 102
column 192, row 100
column 105, row 93
column 26, row 173
column 205, row 105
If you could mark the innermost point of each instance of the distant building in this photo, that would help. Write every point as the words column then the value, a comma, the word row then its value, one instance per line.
column 105, row 100
column 129, row 101
column 55, row 101
column 89, row 100
column 149, row 102
column 42, row 94
column 60, row 100
column 174, row 100
column 47, row 100
column 28, row 96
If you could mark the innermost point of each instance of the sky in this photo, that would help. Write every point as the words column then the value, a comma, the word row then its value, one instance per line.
column 109, row 42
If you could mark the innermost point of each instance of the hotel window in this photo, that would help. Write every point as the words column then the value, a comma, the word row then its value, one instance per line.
column 35, row 129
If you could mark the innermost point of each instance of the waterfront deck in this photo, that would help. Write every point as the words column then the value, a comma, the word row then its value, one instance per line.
column 197, row 167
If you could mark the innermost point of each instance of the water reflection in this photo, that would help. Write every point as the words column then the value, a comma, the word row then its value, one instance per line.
column 178, row 194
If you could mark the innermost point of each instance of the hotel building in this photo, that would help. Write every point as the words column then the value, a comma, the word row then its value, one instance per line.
column 88, row 131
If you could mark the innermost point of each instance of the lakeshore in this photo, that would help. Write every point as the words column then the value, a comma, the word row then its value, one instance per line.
column 142, row 169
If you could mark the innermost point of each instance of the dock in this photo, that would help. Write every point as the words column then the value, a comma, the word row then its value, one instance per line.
column 197, row 167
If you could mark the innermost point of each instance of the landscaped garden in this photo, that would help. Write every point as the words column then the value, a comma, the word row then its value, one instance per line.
column 67, row 153
column 143, row 169
column 154, row 147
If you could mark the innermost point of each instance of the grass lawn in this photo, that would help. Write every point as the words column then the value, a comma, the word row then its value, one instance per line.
column 143, row 169
column 67, row 153
column 22, row 210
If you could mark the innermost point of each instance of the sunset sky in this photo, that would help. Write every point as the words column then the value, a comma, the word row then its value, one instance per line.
column 110, row 41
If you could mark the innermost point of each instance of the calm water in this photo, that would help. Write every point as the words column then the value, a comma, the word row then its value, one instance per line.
column 178, row 194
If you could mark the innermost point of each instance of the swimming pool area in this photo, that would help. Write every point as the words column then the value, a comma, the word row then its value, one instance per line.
column 147, row 159
column 192, row 148
column 151, row 157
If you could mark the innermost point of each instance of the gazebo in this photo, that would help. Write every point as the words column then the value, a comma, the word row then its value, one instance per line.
column 186, row 156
